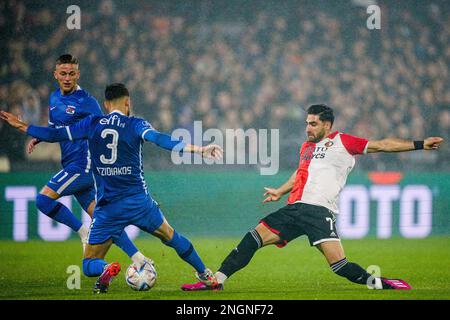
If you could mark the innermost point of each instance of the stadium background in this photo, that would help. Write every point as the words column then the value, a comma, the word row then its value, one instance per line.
column 241, row 64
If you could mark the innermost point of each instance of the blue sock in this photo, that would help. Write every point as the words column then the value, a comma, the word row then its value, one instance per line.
column 125, row 243
column 93, row 267
column 186, row 251
column 57, row 211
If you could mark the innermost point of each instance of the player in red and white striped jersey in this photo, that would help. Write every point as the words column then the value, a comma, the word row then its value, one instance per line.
column 326, row 159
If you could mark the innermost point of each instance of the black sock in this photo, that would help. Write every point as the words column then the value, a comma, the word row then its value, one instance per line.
column 352, row 271
column 242, row 254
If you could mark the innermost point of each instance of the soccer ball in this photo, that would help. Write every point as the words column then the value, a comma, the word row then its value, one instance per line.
column 141, row 278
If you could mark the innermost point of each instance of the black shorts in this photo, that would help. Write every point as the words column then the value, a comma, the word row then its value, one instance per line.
column 295, row 220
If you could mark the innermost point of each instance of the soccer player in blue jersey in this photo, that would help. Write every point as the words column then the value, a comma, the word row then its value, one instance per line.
column 67, row 105
column 115, row 145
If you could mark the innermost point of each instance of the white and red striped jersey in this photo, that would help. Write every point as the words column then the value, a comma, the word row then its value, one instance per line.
column 323, row 169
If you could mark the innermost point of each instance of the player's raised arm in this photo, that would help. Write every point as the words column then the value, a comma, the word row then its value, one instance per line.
column 48, row 134
column 400, row 145
column 165, row 141
column 14, row 121
column 212, row 151
column 161, row 139
column 276, row 194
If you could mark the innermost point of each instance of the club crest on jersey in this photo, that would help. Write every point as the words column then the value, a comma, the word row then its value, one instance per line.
column 329, row 144
column 70, row 109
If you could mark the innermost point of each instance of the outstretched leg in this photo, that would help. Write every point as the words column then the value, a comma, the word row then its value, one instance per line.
column 184, row 249
column 334, row 253
column 239, row 257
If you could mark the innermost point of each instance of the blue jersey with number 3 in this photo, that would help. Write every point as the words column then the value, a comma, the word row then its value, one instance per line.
column 115, row 143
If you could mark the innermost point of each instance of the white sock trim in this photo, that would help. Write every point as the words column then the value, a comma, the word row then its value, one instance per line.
column 83, row 232
column 138, row 258
column 220, row 277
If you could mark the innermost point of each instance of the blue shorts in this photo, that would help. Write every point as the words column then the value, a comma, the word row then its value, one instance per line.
column 74, row 181
column 111, row 219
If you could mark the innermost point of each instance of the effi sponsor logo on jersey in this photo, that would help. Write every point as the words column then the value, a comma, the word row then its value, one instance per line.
column 113, row 120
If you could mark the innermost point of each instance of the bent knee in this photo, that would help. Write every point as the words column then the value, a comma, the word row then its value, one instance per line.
column 268, row 237
column 47, row 205
column 41, row 200
column 165, row 232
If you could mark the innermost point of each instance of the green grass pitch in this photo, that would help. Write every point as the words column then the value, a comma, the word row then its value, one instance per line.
column 37, row 270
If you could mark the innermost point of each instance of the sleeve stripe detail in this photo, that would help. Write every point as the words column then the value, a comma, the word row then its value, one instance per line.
column 68, row 133
column 143, row 133
column 366, row 148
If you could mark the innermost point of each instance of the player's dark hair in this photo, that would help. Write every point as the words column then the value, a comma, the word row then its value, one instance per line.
column 67, row 58
column 324, row 112
column 115, row 91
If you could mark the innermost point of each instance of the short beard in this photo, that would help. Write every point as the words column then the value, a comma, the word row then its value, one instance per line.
column 318, row 138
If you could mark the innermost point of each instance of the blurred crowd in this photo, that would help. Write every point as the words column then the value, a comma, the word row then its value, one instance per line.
column 248, row 64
